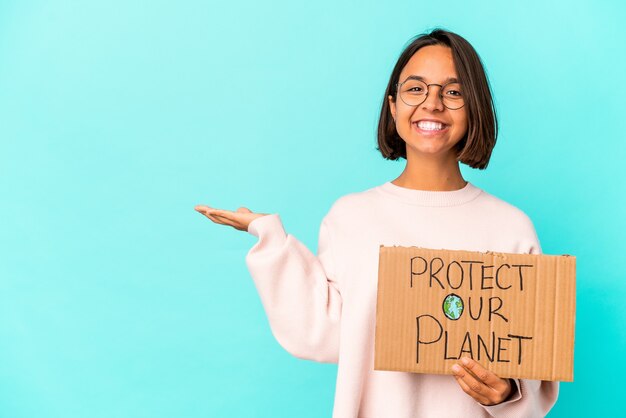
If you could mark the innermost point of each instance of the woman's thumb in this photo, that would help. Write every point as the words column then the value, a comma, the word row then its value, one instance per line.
column 243, row 210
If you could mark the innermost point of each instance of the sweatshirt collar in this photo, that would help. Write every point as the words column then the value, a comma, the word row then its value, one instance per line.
column 429, row 197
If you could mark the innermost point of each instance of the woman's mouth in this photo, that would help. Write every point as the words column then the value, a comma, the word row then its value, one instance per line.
column 429, row 128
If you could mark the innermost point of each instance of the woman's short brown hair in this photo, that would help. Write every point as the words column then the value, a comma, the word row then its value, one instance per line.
column 474, row 149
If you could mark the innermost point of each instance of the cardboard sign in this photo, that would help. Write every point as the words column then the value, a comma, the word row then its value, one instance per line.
column 513, row 313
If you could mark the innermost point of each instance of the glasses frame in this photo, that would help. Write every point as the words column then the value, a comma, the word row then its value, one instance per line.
column 427, row 92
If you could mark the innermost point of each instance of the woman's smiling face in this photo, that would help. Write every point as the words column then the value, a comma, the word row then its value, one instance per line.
column 434, row 64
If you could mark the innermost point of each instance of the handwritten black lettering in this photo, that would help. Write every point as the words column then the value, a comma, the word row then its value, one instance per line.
column 433, row 275
column 519, row 349
column 521, row 276
column 419, row 341
column 461, row 274
column 413, row 262
column 483, row 277
column 498, row 277
column 494, row 311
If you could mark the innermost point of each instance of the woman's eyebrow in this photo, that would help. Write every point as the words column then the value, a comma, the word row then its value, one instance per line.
column 419, row 77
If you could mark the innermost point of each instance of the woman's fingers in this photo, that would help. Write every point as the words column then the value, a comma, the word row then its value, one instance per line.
column 228, row 218
column 216, row 219
column 467, row 389
column 240, row 219
column 487, row 377
column 221, row 216
column 207, row 210
column 203, row 209
column 480, row 383
column 470, row 385
column 216, row 215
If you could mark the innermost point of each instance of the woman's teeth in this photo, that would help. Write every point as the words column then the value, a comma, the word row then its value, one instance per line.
column 430, row 126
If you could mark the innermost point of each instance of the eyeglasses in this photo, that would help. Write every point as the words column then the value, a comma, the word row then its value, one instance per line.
column 414, row 92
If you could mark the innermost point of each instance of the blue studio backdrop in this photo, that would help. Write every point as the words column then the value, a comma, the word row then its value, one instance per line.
column 117, row 299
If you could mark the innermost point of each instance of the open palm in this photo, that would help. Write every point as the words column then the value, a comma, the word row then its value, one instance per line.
column 239, row 219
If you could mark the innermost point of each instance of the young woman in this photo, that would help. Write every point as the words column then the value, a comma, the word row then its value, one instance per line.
column 437, row 112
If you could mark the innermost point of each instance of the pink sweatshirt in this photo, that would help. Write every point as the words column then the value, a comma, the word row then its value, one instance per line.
column 323, row 307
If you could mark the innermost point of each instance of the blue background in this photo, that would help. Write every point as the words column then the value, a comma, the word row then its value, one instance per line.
column 117, row 299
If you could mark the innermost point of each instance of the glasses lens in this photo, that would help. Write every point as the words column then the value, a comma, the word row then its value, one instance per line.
column 413, row 92
column 452, row 96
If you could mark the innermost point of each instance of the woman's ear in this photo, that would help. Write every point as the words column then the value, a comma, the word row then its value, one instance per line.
column 392, row 107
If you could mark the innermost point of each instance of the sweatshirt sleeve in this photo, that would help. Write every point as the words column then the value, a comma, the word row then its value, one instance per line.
column 530, row 398
column 298, row 289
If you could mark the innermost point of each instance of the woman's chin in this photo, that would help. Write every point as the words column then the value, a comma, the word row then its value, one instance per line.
column 430, row 151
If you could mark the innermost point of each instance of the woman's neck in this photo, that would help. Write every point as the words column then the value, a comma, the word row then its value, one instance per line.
column 431, row 174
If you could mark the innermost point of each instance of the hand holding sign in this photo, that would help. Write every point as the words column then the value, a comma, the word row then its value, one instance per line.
column 480, row 383
column 239, row 220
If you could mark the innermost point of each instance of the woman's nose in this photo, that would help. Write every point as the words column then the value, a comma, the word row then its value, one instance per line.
column 433, row 101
